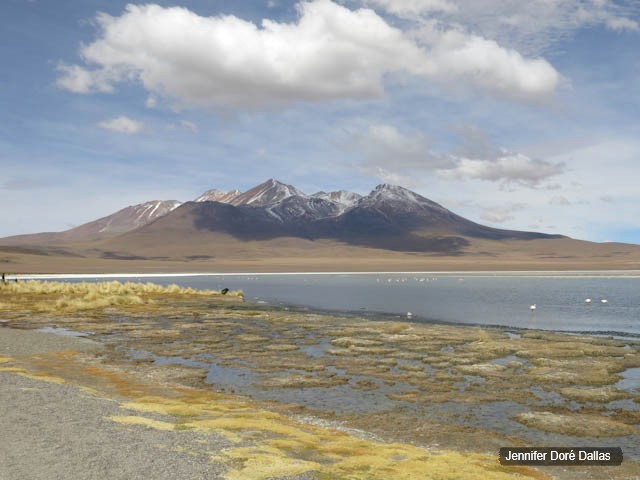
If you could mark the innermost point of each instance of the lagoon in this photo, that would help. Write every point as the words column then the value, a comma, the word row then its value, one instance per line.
column 461, row 298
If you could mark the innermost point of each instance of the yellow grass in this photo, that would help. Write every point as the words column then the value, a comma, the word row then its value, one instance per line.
column 32, row 375
column 147, row 422
column 44, row 296
column 284, row 447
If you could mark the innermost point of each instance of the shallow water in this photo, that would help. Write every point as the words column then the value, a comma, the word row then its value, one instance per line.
column 472, row 299
column 630, row 380
column 63, row 331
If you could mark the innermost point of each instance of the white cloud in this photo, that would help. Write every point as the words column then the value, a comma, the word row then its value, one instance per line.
column 192, row 127
column 151, row 102
column 509, row 168
column 528, row 26
column 77, row 79
column 330, row 52
column 122, row 125
column 387, row 151
column 486, row 64
column 394, row 178
column 622, row 23
column 411, row 8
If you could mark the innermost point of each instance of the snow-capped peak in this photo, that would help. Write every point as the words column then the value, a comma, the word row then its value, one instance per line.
column 395, row 194
column 267, row 193
column 343, row 198
column 215, row 195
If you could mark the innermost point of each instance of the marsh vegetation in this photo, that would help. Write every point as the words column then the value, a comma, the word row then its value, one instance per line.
column 433, row 398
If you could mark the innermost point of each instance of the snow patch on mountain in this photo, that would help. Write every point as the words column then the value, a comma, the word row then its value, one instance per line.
column 215, row 195
column 136, row 216
column 399, row 198
column 343, row 198
column 267, row 194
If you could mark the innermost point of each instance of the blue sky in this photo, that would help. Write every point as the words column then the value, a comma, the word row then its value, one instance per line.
column 515, row 114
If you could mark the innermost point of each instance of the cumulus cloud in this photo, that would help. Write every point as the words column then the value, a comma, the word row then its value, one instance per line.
column 486, row 64
column 122, row 125
column 387, row 151
column 329, row 52
column 509, row 168
column 77, row 79
column 476, row 158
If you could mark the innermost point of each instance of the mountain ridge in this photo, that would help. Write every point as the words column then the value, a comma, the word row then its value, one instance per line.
column 389, row 217
column 277, row 227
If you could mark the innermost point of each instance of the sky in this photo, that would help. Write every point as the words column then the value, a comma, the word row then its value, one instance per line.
column 518, row 115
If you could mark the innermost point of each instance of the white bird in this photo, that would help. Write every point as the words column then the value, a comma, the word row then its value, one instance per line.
column 409, row 314
column 604, row 300
column 532, row 307
column 587, row 300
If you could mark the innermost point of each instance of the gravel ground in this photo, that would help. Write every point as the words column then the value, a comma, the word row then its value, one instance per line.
column 52, row 431
column 17, row 343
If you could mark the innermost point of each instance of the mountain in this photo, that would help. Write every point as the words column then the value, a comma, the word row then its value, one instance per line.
column 122, row 221
column 267, row 194
column 343, row 198
column 390, row 217
column 277, row 227
column 215, row 195
column 285, row 202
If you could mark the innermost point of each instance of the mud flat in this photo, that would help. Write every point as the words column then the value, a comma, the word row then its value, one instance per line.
column 245, row 391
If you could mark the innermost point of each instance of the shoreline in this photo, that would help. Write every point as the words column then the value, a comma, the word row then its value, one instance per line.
column 458, row 389
column 590, row 273
column 376, row 315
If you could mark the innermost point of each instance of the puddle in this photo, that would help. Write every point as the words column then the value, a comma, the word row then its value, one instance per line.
column 232, row 376
column 217, row 375
column 316, row 350
column 504, row 361
column 63, row 331
column 627, row 404
column 548, row 398
column 630, row 380
column 341, row 399
column 497, row 416
column 469, row 380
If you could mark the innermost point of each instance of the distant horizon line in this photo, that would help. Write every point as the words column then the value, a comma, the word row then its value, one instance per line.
column 450, row 273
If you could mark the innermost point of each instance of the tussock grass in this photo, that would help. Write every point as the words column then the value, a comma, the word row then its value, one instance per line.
column 43, row 296
column 102, row 288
